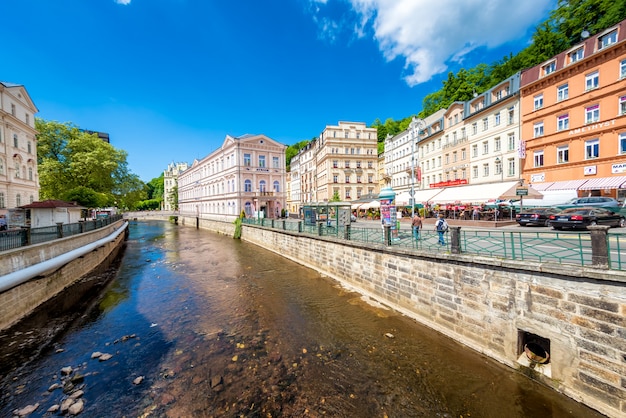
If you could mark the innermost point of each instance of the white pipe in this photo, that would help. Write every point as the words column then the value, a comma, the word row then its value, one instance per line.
column 20, row 276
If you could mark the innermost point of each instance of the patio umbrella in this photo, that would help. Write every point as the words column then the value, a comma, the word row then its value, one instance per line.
column 511, row 193
column 371, row 205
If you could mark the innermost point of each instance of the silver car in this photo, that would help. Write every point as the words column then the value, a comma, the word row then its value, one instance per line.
column 593, row 201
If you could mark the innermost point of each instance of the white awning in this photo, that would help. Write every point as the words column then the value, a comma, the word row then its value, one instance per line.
column 421, row 196
column 542, row 186
column 604, row 183
column 567, row 185
column 475, row 193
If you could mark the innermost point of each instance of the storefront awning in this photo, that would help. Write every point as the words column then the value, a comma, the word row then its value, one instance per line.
column 604, row 183
column 542, row 186
column 476, row 193
column 567, row 185
column 421, row 196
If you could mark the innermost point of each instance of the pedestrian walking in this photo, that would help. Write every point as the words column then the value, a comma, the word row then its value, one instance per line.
column 416, row 223
column 441, row 226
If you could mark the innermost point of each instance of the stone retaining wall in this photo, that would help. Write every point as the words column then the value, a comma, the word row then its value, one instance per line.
column 496, row 307
column 18, row 302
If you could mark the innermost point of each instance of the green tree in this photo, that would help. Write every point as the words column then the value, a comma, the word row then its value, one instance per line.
column 86, row 197
column 336, row 197
column 173, row 198
column 156, row 187
column 292, row 151
column 73, row 163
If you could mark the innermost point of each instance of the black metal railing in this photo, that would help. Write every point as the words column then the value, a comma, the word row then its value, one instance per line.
column 16, row 238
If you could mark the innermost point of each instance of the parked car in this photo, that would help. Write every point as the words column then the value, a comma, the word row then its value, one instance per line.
column 536, row 216
column 593, row 201
column 583, row 217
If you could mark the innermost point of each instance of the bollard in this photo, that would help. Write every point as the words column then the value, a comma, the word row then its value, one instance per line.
column 599, row 246
column 346, row 233
column 284, row 225
column 300, row 227
column 455, row 239
column 387, row 235
column 320, row 229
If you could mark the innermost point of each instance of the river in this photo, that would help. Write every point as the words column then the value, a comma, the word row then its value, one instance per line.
column 198, row 324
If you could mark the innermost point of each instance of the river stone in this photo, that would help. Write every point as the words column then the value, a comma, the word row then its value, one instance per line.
column 216, row 380
column 29, row 409
column 66, row 370
column 77, row 394
column 390, row 335
column 54, row 386
column 54, row 408
column 138, row 380
column 77, row 378
column 105, row 357
column 96, row 354
column 65, row 405
column 77, row 407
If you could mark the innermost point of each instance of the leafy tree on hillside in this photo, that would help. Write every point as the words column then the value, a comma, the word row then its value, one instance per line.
column 292, row 151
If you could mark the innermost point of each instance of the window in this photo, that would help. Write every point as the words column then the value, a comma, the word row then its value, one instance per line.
column 475, row 171
column 370, row 178
column 30, row 173
column 496, row 119
column 18, row 200
column 276, row 186
column 562, row 122
column 17, row 170
column 358, row 164
column 497, row 144
column 538, row 101
column 510, row 142
column 592, row 149
column 622, row 105
column 475, row 150
column 358, row 179
column 2, row 202
column 592, row 80
column 562, row 154
column 485, row 170
column 346, row 164
column 15, row 143
column 335, row 163
column 485, row 124
column 549, row 68
column 538, row 129
column 454, row 157
column 592, row 114
column 622, row 144
column 13, row 111
column 262, row 186
column 335, row 178
column 622, row 69
column 511, row 167
column 261, row 160
column 275, row 162
column 247, row 161
column 562, row 92
column 608, row 39
column 538, row 158
column 576, row 55
column 1, row 167
column 511, row 116
column 485, row 147
column 474, row 128
column 347, row 178
column 370, row 164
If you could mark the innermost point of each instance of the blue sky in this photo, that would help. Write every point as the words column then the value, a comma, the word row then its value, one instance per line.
column 169, row 79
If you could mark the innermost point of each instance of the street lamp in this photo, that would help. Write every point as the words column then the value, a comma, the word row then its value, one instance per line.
column 416, row 125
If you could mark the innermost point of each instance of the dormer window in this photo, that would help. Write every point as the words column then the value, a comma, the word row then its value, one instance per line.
column 549, row 68
column 576, row 55
column 608, row 39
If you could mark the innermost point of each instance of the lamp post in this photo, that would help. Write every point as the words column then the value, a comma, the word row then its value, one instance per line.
column 415, row 126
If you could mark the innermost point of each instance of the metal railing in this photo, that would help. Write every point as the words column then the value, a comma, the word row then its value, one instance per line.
column 573, row 248
column 16, row 238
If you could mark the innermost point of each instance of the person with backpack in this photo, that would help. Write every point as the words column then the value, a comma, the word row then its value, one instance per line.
column 441, row 226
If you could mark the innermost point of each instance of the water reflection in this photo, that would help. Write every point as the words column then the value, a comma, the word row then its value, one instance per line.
column 224, row 328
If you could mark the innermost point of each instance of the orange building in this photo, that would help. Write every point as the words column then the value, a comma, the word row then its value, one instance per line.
column 574, row 118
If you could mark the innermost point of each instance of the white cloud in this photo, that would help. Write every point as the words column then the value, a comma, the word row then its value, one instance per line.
column 124, row 2
column 429, row 34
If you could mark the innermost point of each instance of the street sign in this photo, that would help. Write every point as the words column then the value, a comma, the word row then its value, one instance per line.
column 521, row 191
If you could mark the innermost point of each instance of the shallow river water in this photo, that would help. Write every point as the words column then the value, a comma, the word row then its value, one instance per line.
column 201, row 325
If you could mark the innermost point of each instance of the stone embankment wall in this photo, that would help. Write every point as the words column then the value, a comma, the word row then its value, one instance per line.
column 19, row 301
column 496, row 307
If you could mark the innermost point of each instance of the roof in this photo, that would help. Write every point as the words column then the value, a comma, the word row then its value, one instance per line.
column 45, row 204
column 6, row 84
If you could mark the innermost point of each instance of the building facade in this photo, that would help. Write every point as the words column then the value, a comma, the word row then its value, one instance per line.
column 574, row 118
column 246, row 173
column 170, row 185
column 19, row 180
column 346, row 157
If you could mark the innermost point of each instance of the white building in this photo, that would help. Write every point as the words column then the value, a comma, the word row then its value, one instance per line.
column 170, row 183
column 246, row 173
column 19, row 181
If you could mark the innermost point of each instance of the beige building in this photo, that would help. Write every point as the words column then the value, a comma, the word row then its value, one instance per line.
column 346, row 158
column 170, row 183
column 246, row 173
column 19, row 181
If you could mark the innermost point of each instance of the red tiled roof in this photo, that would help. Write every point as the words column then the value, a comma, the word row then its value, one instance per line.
column 52, row 204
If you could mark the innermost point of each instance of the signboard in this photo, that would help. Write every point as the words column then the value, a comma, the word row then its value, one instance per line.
column 521, row 191
column 618, row 168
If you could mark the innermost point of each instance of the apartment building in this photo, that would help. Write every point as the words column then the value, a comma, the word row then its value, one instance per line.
column 19, row 180
column 246, row 173
column 295, row 188
column 346, row 157
column 170, row 185
column 574, row 118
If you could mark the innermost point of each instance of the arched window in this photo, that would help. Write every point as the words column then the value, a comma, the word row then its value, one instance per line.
column 276, row 186
column 262, row 186
column 247, row 186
